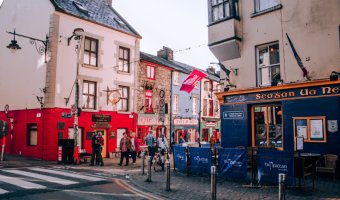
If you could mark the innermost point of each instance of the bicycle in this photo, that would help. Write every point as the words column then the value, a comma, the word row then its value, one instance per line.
column 158, row 161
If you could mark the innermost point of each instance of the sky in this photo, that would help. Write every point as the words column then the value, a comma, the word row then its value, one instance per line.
column 178, row 24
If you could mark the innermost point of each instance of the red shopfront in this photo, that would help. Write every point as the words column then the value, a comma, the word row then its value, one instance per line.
column 36, row 132
column 150, row 122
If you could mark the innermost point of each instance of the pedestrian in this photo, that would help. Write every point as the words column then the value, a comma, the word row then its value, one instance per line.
column 93, row 145
column 99, row 148
column 125, row 146
column 151, row 143
column 135, row 147
column 212, row 140
column 181, row 140
column 162, row 145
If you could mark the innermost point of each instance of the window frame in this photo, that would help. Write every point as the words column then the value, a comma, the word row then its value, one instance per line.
column 267, row 126
column 90, row 51
column 150, row 72
column 148, row 97
column 176, row 104
column 211, row 108
column 124, row 98
column 122, row 61
column 270, row 66
column 233, row 10
column 194, row 105
column 29, row 130
column 87, row 101
column 176, row 78
column 205, row 107
column 308, row 120
column 257, row 5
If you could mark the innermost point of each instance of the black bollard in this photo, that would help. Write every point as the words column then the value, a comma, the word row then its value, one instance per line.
column 143, row 163
column 149, row 169
column 213, row 182
column 282, row 192
column 167, row 171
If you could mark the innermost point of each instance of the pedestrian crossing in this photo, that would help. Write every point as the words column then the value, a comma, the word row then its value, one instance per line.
column 41, row 178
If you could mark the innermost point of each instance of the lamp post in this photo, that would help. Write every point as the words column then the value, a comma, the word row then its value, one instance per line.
column 78, row 35
column 41, row 49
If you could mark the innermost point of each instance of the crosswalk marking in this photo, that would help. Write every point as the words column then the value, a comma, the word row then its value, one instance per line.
column 73, row 175
column 42, row 177
column 3, row 191
column 20, row 183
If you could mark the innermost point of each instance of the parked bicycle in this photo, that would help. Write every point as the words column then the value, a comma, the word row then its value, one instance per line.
column 158, row 161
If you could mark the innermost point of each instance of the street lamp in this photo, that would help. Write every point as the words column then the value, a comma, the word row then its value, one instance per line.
column 14, row 46
column 77, row 35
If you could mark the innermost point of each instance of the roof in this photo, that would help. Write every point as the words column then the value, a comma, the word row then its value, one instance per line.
column 97, row 11
column 175, row 65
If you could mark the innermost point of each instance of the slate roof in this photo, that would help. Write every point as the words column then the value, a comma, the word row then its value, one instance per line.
column 178, row 66
column 97, row 11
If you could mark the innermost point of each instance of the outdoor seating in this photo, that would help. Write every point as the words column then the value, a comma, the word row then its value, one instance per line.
column 302, row 171
column 327, row 164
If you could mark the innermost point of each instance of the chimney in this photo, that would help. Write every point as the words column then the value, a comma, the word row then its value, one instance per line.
column 109, row 2
column 166, row 53
column 211, row 70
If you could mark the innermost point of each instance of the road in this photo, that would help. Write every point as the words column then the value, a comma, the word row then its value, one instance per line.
column 66, row 184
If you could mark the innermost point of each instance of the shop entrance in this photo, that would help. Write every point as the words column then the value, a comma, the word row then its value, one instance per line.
column 142, row 132
column 205, row 135
column 104, row 150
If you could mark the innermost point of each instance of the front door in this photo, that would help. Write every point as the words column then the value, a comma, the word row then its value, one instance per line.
column 104, row 150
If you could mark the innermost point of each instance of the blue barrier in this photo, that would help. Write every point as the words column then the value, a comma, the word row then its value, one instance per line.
column 272, row 162
column 180, row 158
column 205, row 145
column 232, row 163
column 200, row 160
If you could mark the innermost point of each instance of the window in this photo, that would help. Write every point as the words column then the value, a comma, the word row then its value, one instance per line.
column 124, row 59
column 79, row 136
column 176, row 104
column 176, row 78
column 91, row 51
column 123, row 104
column 268, row 64
column 222, row 9
column 89, row 95
column 206, row 86
column 261, row 5
column 217, row 108
column 148, row 101
column 32, row 135
column 267, row 122
column 211, row 108
column 205, row 107
column 150, row 72
column 312, row 129
column 194, row 106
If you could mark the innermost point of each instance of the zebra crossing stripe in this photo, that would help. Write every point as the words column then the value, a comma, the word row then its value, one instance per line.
column 42, row 177
column 20, row 183
column 3, row 191
column 73, row 175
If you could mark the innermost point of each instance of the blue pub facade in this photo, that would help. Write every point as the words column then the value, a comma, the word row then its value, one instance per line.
column 272, row 118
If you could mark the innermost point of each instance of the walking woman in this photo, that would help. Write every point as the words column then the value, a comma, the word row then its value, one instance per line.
column 125, row 146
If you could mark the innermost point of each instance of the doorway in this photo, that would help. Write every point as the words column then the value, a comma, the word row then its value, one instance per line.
column 104, row 150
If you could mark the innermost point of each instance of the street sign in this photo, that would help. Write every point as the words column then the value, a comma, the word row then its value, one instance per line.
column 73, row 109
column 161, row 93
column 66, row 115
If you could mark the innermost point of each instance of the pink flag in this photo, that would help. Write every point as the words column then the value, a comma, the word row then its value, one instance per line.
column 192, row 80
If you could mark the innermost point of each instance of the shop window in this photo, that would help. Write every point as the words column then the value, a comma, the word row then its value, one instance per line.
column 176, row 78
column 267, row 123
column 123, row 104
column 148, row 101
column 268, row 64
column 89, row 94
column 79, row 136
column 91, row 51
column 262, row 5
column 150, row 72
column 124, row 59
column 142, row 132
column 32, row 135
column 312, row 129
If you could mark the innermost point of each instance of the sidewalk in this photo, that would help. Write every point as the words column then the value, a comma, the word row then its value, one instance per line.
column 189, row 187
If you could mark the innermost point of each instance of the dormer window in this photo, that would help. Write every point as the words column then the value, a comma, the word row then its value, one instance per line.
column 81, row 8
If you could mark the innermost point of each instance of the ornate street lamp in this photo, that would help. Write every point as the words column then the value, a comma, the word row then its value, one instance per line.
column 14, row 46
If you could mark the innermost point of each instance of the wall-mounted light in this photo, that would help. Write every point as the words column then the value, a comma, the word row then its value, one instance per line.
column 14, row 46
column 334, row 76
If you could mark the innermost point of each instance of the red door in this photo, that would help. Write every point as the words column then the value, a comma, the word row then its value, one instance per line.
column 142, row 132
